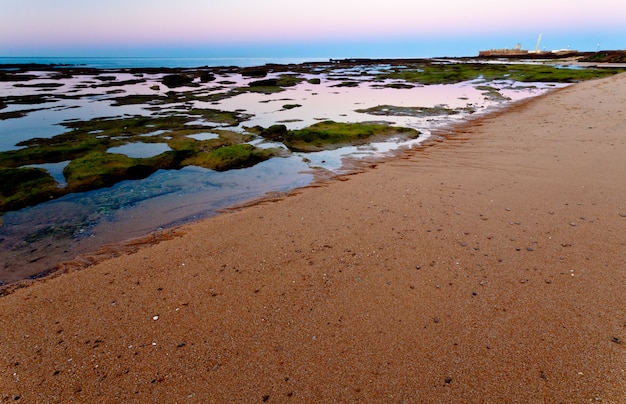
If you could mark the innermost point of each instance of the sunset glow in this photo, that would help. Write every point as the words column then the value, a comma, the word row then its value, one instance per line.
column 286, row 28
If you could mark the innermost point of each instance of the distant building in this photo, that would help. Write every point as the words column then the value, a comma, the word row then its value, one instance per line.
column 518, row 51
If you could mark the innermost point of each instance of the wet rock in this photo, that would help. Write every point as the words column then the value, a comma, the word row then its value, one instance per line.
column 206, row 77
column 264, row 83
column 275, row 132
column 253, row 72
column 176, row 80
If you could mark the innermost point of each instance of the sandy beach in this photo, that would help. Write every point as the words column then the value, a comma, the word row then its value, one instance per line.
column 487, row 267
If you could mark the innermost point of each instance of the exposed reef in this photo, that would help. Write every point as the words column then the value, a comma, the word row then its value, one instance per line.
column 172, row 116
column 331, row 135
column 392, row 110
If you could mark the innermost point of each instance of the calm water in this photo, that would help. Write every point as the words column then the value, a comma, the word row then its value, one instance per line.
column 143, row 62
column 35, row 239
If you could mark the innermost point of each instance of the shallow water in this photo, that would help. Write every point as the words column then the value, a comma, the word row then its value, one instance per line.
column 34, row 239
column 140, row 150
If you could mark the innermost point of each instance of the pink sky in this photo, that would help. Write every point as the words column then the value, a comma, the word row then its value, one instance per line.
column 62, row 25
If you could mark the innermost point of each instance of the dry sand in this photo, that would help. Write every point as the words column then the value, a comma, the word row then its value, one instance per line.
column 490, row 267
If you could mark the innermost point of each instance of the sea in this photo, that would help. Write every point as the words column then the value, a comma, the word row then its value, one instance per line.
column 155, row 62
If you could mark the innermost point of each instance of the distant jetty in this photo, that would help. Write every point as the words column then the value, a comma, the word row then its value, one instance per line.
column 519, row 52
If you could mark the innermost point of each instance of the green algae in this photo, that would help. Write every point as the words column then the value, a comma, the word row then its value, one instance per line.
column 229, row 157
column 449, row 73
column 330, row 135
column 97, row 169
column 40, row 151
column 85, row 145
column 347, row 84
column 615, row 56
column 273, row 85
column 20, row 187
column 393, row 110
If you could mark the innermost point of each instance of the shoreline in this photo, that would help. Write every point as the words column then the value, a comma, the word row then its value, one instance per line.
column 495, row 275
column 351, row 166
column 33, row 248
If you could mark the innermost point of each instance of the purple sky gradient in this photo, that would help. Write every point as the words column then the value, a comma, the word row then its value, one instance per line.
column 337, row 28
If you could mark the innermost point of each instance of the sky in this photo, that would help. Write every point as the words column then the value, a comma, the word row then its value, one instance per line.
column 290, row 28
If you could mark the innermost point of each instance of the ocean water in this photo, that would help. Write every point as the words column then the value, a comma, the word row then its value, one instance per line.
column 156, row 62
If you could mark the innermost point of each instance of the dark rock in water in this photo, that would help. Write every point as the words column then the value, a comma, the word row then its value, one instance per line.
column 105, row 78
column 254, row 72
column 291, row 106
column 347, row 84
column 206, row 77
column 176, row 80
column 399, row 85
column 25, row 186
column 264, row 83
column 275, row 132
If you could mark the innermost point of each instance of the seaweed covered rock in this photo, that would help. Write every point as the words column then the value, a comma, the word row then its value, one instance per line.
column 275, row 132
column 285, row 80
column 205, row 77
column 254, row 72
column 229, row 157
column 24, row 186
column 330, row 135
column 264, row 83
column 96, row 169
column 176, row 80
column 610, row 56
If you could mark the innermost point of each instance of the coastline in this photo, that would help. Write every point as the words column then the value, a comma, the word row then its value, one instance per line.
column 350, row 166
column 495, row 274
column 69, row 224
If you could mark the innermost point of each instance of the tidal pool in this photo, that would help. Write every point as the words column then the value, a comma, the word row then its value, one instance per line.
column 140, row 150
column 55, row 170
column 204, row 136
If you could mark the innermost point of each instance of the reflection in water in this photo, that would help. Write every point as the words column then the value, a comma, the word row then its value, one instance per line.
column 140, row 150
column 204, row 136
column 55, row 170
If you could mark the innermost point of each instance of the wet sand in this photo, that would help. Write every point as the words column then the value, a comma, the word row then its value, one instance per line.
column 490, row 267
